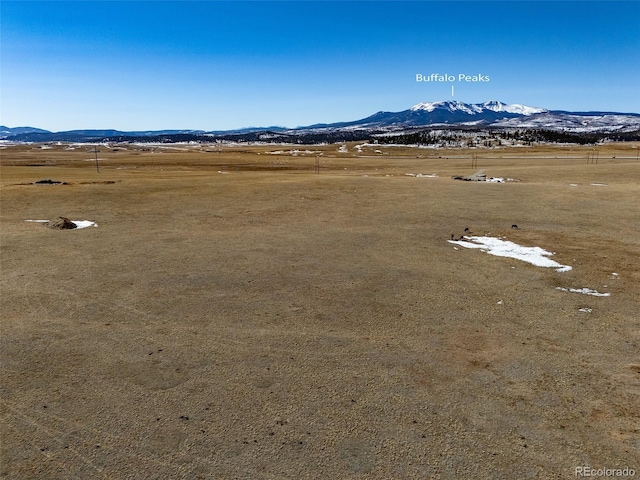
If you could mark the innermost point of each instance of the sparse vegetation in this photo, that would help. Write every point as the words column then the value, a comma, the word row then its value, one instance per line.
column 238, row 315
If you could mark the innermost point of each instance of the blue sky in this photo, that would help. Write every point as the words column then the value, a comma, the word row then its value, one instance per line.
column 222, row 65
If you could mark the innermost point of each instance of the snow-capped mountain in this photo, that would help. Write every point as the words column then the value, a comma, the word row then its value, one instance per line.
column 431, row 113
column 478, row 108
column 513, row 108
column 490, row 114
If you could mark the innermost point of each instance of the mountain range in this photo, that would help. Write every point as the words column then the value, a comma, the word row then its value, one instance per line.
column 445, row 115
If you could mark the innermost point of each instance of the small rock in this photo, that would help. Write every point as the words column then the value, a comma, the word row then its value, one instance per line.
column 61, row 223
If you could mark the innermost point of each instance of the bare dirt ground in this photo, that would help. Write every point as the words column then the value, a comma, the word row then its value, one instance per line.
column 237, row 316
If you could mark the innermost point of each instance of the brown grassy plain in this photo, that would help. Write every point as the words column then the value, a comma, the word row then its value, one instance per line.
column 267, row 322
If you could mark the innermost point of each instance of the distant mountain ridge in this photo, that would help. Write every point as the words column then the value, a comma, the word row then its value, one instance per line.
column 7, row 132
column 445, row 114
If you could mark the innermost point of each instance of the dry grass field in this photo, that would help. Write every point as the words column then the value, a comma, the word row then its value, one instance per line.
column 237, row 316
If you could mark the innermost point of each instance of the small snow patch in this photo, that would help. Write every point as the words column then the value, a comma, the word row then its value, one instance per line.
column 84, row 223
column 584, row 291
column 422, row 175
column 504, row 248
column 585, row 310
column 78, row 223
column 599, row 184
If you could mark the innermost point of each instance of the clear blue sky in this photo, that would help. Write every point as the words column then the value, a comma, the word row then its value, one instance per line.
column 223, row 65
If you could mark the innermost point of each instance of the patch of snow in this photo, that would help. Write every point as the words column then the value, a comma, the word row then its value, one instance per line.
column 79, row 223
column 421, row 175
column 495, row 180
column 84, row 223
column 599, row 184
column 504, row 248
column 573, row 184
column 586, row 310
column 584, row 291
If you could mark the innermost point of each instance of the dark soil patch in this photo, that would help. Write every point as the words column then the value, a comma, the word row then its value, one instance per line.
column 49, row 182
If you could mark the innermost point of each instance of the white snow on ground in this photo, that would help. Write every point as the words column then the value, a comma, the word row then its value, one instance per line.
column 585, row 291
column 495, row 180
column 294, row 152
column 599, row 184
column 79, row 223
column 421, row 175
column 586, row 310
column 84, row 223
column 504, row 248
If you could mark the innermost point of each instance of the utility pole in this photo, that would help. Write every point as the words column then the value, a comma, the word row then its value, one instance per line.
column 95, row 150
